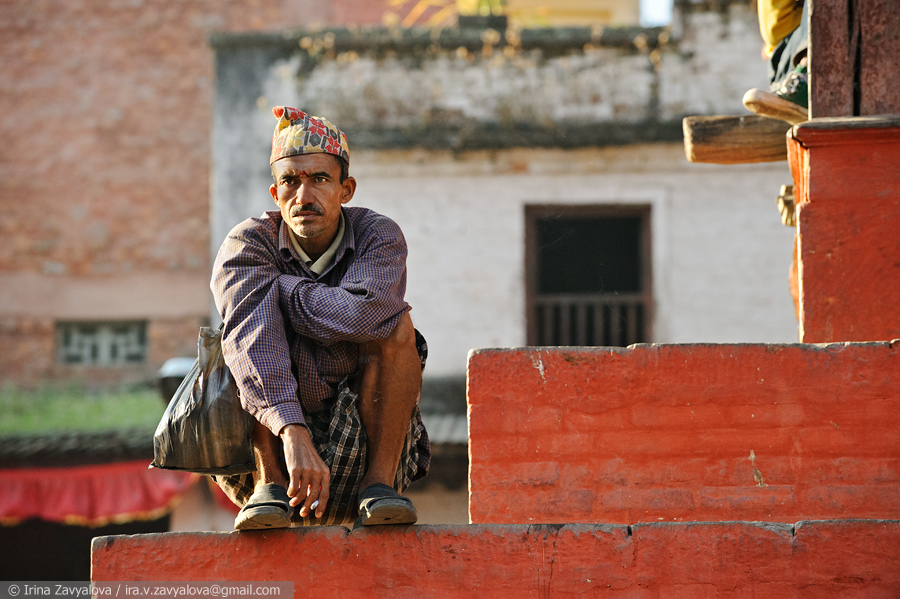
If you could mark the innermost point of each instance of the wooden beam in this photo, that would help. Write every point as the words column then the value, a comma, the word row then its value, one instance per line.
column 734, row 139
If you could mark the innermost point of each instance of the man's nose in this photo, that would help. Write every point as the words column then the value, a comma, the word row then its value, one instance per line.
column 304, row 192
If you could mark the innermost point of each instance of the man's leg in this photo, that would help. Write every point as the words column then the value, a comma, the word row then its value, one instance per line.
column 788, row 97
column 791, row 50
column 268, row 506
column 389, row 392
column 266, row 451
column 390, row 382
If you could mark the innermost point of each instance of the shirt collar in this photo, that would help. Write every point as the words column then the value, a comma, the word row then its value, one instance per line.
column 319, row 266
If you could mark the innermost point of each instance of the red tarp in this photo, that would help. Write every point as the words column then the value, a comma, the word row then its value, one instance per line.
column 90, row 495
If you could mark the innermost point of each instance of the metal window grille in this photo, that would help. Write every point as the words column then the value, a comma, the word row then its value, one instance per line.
column 588, row 275
column 102, row 343
column 605, row 320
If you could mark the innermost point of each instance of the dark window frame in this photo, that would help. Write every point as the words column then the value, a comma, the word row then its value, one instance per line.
column 533, row 299
column 105, row 330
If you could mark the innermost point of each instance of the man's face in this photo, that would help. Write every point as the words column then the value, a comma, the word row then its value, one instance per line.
column 309, row 192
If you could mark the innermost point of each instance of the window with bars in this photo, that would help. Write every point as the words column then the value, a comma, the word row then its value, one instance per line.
column 588, row 275
column 101, row 343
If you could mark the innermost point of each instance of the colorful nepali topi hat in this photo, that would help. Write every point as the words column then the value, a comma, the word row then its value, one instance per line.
column 298, row 133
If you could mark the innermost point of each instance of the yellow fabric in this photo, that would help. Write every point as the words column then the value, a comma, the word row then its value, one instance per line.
column 777, row 18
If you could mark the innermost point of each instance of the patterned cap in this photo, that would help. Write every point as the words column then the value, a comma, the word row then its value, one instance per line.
column 298, row 133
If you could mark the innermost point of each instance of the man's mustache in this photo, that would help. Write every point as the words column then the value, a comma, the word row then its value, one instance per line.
column 297, row 209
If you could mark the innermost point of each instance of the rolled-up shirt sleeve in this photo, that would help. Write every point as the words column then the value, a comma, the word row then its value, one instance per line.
column 254, row 342
column 368, row 301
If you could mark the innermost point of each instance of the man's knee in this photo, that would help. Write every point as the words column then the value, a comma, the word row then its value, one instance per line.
column 401, row 340
column 404, row 334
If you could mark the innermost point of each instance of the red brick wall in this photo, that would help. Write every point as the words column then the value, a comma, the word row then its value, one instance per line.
column 30, row 345
column 775, row 433
column 723, row 559
column 26, row 347
column 104, row 167
column 106, row 132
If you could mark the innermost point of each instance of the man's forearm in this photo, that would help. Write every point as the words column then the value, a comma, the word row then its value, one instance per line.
column 256, row 350
column 347, row 313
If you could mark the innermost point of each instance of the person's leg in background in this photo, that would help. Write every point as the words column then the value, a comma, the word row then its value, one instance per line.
column 788, row 97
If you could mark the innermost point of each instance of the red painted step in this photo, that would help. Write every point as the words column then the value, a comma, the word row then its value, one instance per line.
column 776, row 433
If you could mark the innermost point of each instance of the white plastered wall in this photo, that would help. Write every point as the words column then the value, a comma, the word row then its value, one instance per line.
column 720, row 255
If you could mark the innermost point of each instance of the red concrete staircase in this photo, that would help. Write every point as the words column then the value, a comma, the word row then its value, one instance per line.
column 743, row 470
column 653, row 471
column 831, row 558
column 685, row 433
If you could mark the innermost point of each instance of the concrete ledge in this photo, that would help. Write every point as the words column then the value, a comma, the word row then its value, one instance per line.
column 421, row 39
column 457, row 134
column 841, row 558
column 706, row 432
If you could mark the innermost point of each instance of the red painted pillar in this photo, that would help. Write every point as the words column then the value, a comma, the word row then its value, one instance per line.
column 847, row 183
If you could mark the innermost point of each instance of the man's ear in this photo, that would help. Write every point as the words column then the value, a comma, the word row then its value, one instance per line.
column 274, row 192
column 349, row 188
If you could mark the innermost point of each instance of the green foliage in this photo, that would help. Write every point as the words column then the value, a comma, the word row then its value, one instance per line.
column 71, row 409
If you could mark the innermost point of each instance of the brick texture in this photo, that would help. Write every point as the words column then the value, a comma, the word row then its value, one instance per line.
column 104, row 168
column 719, row 559
column 29, row 345
column 105, row 118
column 776, row 433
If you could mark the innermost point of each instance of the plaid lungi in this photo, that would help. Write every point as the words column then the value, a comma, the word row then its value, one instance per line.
column 339, row 436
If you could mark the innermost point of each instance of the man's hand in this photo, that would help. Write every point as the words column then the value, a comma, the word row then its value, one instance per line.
column 309, row 476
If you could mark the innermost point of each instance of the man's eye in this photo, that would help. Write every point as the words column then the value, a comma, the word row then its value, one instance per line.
column 321, row 179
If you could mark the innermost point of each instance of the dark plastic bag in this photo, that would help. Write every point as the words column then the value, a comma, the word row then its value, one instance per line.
column 204, row 429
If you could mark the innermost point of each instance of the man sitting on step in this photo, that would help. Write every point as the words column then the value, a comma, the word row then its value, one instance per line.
column 318, row 337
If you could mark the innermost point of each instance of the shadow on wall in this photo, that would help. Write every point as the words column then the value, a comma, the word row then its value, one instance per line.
column 40, row 550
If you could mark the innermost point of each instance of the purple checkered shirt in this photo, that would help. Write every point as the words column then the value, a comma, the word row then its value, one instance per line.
column 290, row 336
